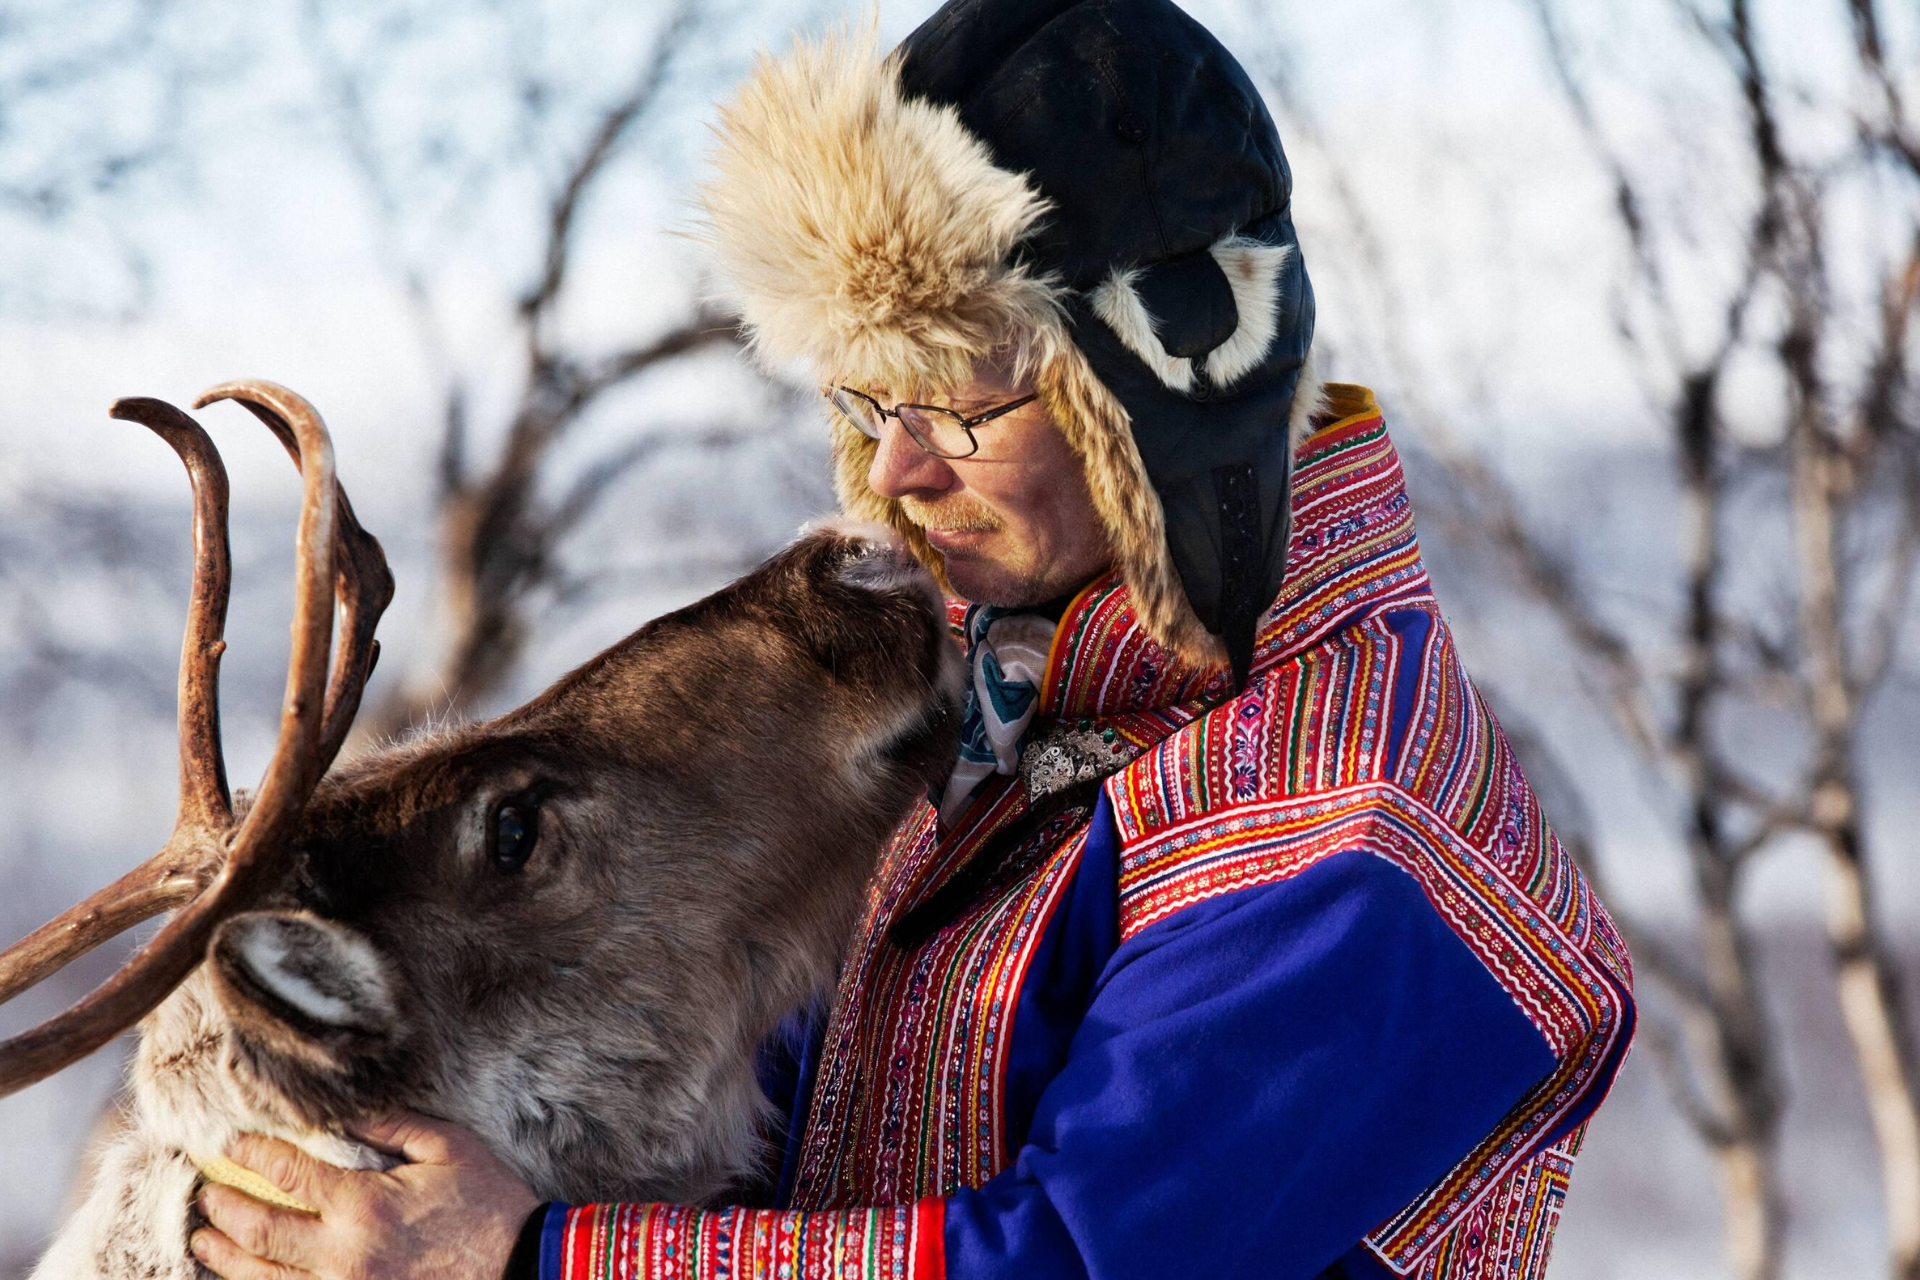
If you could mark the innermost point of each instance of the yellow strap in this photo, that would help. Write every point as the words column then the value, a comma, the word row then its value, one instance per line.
column 228, row 1174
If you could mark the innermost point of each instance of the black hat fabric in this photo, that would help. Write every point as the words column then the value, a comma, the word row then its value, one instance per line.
column 1091, row 186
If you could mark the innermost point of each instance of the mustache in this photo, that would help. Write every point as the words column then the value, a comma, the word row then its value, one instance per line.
column 958, row 514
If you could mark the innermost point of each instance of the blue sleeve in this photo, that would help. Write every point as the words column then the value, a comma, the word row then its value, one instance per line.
column 1258, row 1081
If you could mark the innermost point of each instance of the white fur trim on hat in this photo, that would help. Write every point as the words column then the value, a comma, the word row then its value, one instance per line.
column 1253, row 272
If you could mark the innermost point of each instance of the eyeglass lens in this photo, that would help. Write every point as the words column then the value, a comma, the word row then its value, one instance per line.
column 858, row 410
column 938, row 431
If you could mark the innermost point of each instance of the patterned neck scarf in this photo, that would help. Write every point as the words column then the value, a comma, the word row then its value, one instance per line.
column 1006, row 668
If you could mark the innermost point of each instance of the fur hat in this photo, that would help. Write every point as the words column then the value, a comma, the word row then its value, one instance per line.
column 1089, row 189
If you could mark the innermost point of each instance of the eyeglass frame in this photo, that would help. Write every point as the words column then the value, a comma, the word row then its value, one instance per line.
column 966, row 424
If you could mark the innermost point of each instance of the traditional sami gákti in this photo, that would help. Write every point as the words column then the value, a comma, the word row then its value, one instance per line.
column 1258, row 957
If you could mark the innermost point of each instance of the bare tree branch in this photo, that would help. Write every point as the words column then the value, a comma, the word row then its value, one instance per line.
column 500, row 543
column 615, row 125
column 596, row 480
column 1893, row 132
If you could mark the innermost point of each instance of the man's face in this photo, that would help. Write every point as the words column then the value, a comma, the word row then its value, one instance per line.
column 1014, row 522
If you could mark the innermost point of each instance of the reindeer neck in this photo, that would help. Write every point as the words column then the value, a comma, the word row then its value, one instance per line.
column 186, row 1096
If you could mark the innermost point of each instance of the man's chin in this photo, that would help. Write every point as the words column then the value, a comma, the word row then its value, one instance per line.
column 981, row 581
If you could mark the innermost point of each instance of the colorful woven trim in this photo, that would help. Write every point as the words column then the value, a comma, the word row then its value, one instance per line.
column 1353, row 549
column 1456, row 758
column 908, row 1099
column 1104, row 664
column 1509, row 1233
column 1312, row 723
column 673, row 1242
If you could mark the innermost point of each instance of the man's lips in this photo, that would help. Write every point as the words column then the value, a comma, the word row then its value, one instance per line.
column 956, row 539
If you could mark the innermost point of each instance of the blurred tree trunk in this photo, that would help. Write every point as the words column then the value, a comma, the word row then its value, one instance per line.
column 499, row 544
column 1825, row 480
column 1844, row 447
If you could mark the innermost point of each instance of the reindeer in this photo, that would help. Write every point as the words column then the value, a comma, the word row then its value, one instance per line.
column 567, row 928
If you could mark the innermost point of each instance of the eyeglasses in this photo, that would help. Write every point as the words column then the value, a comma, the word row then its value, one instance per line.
column 942, row 432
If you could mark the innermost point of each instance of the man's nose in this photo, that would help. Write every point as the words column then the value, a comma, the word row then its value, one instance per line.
column 901, row 467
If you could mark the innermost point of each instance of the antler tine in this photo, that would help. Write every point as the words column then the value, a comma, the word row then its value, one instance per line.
column 297, row 762
column 203, row 772
column 365, row 590
column 364, row 585
column 173, row 875
column 161, row 883
column 262, row 843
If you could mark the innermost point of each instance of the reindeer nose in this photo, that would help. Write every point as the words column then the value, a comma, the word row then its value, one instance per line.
column 889, row 566
column 881, row 561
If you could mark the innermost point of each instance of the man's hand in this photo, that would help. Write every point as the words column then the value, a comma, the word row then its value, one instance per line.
column 450, row 1213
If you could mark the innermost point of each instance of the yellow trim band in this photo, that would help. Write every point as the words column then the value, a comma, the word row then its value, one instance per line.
column 1349, row 402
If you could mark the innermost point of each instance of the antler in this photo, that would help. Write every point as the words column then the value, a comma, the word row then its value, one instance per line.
column 209, row 866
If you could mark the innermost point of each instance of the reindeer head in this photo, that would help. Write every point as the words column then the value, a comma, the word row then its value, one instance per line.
column 559, row 927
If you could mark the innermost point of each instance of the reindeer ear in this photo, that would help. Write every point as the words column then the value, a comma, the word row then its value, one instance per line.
column 286, row 975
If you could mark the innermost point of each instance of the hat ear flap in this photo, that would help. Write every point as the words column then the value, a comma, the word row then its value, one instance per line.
column 1099, row 429
column 1125, row 303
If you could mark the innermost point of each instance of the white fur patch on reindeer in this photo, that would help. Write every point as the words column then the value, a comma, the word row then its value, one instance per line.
column 1253, row 272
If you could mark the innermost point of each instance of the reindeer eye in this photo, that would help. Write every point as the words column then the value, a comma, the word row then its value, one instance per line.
column 516, row 825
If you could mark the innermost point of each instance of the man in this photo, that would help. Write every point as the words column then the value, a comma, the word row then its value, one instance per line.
column 1237, row 944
